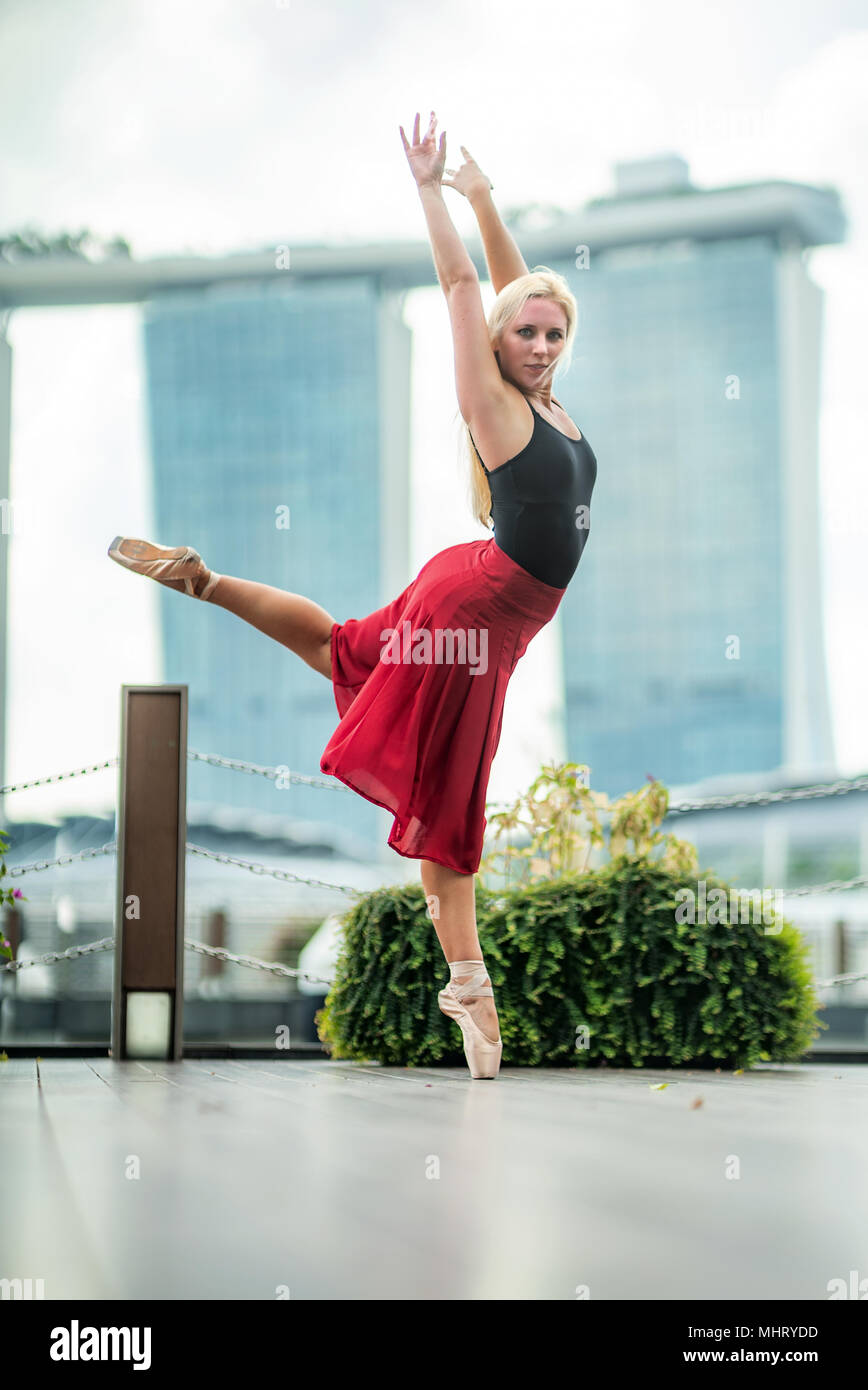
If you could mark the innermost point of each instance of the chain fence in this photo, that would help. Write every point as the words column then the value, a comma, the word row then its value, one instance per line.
column 256, row 867
column 59, row 776
column 282, row 773
column 107, row 943
column 253, row 963
column 841, row 787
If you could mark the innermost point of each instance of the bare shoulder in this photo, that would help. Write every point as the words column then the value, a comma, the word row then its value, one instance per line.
column 562, row 421
column 502, row 426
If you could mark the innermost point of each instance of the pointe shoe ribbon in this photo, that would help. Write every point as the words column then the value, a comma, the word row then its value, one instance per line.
column 483, row 1056
column 168, row 565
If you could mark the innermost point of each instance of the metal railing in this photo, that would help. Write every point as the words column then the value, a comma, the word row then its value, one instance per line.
column 837, row 788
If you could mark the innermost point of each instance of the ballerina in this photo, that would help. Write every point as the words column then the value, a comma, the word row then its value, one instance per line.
column 420, row 713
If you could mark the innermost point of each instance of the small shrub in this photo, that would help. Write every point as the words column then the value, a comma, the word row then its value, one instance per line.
column 589, row 966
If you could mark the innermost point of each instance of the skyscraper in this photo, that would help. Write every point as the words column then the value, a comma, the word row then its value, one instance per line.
column 279, row 434
column 693, row 637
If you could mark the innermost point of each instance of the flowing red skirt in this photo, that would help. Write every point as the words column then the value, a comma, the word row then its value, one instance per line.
column 420, row 687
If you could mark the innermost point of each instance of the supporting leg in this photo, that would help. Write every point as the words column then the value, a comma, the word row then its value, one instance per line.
column 453, row 908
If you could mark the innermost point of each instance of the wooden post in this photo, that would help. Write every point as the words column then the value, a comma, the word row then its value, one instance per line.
column 212, row 966
column 148, row 1000
column 12, row 932
column 840, row 945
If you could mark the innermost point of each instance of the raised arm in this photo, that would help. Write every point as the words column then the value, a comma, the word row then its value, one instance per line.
column 505, row 261
column 478, row 378
column 451, row 259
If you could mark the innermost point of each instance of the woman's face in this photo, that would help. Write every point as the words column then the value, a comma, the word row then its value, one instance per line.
column 535, row 337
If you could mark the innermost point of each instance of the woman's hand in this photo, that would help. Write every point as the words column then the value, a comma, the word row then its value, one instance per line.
column 425, row 159
column 469, row 179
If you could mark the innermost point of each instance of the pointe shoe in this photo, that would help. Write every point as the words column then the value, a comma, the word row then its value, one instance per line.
column 483, row 1055
column 180, row 568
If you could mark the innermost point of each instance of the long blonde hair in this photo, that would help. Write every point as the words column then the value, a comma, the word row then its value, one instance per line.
column 539, row 283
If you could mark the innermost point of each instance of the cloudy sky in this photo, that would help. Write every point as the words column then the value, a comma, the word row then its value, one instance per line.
column 235, row 124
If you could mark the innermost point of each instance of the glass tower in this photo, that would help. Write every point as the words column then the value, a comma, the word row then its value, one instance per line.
column 279, row 433
column 692, row 631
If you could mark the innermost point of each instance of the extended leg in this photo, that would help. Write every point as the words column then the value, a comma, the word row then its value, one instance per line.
column 291, row 619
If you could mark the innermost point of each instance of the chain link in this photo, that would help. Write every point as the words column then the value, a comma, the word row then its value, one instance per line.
column 60, row 776
column 107, row 944
column 835, row 886
column 20, row 869
column 52, row 957
column 257, row 868
column 252, row 962
column 714, row 803
column 235, row 764
column 839, row 788
column 250, row 864
column 239, row 765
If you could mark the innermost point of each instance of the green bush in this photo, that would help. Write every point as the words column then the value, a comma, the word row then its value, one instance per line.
column 7, row 895
column 599, row 966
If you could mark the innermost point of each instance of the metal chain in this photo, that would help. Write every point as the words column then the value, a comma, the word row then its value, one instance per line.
column 60, row 776
column 714, row 803
column 220, row 953
column 107, row 944
column 250, row 864
column 253, row 962
column 52, row 957
column 239, row 765
column 256, row 868
column 64, row 859
column 835, row 886
column 839, row 788
column 235, row 764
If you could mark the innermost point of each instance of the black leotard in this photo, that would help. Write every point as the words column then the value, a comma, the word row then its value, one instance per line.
column 535, row 501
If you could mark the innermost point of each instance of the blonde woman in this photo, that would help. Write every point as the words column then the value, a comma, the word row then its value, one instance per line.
column 420, row 684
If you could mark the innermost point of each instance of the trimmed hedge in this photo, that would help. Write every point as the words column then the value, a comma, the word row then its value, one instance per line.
column 591, row 968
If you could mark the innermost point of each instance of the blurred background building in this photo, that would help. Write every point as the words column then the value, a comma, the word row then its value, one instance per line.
column 299, row 393
column 693, row 639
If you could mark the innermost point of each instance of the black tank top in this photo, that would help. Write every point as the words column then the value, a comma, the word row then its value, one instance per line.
column 540, row 502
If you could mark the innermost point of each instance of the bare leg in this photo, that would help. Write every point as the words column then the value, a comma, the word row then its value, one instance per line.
column 453, row 912
column 291, row 619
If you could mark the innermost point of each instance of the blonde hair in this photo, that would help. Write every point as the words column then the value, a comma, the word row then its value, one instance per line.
column 539, row 283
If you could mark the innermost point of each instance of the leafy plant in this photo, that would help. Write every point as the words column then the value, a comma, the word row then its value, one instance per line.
column 561, row 817
column 7, row 895
column 589, row 966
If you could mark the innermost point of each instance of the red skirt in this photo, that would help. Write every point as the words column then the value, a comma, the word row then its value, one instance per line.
column 420, row 687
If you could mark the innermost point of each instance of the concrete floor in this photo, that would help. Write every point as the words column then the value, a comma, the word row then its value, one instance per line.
column 320, row 1179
